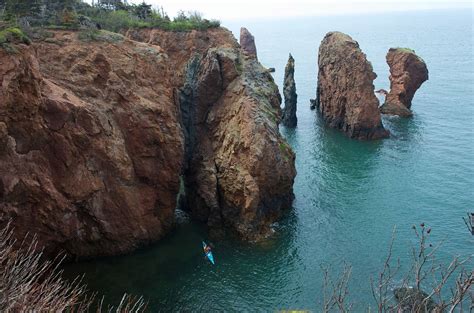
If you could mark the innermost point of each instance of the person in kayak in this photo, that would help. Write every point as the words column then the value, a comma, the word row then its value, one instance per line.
column 207, row 249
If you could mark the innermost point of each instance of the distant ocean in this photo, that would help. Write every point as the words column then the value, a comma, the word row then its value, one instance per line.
column 349, row 194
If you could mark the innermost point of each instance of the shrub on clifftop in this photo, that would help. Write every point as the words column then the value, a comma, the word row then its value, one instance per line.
column 113, row 15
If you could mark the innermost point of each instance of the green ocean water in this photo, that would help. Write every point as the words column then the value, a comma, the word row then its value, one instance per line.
column 349, row 194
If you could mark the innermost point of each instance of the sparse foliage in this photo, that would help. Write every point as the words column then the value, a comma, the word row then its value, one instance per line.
column 113, row 15
column 335, row 292
column 428, row 286
column 382, row 286
column 30, row 284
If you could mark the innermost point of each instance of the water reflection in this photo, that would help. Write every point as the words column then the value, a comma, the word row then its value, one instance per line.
column 175, row 267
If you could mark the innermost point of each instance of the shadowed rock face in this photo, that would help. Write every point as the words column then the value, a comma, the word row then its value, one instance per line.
column 90, row 147
column 345, row 91
column 289, row 93
column 95, row 135
column 238, row 171
column 407, row 73
column 247, row 42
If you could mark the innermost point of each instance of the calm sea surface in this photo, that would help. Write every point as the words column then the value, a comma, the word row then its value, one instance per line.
column 349, row 194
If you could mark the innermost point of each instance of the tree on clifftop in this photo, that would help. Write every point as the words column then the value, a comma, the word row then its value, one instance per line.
column 22, row 8
column 143, row 10
column 115, row 5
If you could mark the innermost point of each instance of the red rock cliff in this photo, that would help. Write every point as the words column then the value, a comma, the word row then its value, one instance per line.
column 94, row 135
column 238, row 171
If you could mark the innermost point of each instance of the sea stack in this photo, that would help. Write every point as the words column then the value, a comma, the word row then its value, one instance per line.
column 247, row 43
column 345, row 92
column 407, row 72
column 289, row 93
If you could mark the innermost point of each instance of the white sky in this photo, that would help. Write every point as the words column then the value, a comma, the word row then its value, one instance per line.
column 241, row 9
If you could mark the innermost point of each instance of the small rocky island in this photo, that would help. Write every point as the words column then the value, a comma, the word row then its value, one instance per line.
column 289, row 93
column 407, row 73
column 345, row 91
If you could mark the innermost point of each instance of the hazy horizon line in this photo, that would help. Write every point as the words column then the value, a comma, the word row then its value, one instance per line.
column 328, row 14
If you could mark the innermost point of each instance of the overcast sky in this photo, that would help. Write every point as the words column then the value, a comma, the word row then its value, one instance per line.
column 229, row 10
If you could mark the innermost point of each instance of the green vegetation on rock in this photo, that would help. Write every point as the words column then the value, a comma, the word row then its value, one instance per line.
column 99, row 35
column 112, row 15
column 12, row 35
column 407, row 50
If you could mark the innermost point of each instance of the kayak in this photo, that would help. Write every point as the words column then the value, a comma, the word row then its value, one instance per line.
column 209, row 254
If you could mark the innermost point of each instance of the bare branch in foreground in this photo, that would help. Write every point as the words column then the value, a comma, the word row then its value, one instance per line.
column 29, row 284
column 335, row 292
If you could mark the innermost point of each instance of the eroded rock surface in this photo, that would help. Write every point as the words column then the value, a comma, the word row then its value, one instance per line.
column 91, row 145
column 247, row 42
column 407, row 73
column 238, row 171
column 345, row 91
column 289, row 93
column 94, row 136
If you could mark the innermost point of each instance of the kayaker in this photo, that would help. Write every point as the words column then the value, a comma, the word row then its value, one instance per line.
column 207, row 249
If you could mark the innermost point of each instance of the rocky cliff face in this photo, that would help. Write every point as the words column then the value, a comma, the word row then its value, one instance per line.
column 94, row 135
column 231, row 111
column 289, row 93
column 90, row 145
column 247, row 42
column 345, row 91
column 407, row 72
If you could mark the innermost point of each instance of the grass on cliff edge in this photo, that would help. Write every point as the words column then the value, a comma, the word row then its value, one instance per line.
column 12, row 35
column 100, row 35
column 116, row 21
column 407, row 50
column 411, row 51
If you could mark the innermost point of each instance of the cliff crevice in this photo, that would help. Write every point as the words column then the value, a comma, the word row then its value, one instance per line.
column 95, row 134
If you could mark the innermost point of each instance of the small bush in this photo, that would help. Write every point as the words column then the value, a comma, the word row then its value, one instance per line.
column 13, row 35
column 116, row 20
column 100, row 35
column 69, row 19
column 120, row 20
column 10, row 36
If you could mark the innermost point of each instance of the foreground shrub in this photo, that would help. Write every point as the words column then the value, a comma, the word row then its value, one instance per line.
column 428, row 285
column 29, row 284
